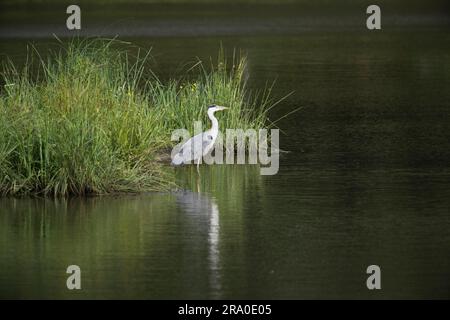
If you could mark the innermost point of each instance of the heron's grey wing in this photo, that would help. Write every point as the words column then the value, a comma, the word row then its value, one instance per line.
column 208, row 142
column 192, row 149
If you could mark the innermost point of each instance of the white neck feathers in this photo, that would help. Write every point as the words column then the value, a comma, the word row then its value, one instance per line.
column 214, row 122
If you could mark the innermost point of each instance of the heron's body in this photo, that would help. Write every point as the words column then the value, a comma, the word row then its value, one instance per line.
column 199, row 145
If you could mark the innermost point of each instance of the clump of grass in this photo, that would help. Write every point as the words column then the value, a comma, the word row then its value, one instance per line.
column 88, row 120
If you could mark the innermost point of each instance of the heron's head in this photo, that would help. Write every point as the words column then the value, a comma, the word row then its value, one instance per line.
column 214, row 108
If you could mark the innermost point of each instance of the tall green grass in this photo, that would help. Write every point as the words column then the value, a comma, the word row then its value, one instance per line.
column 91, row 119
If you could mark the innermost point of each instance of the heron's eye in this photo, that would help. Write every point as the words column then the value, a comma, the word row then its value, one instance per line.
column 210, row 137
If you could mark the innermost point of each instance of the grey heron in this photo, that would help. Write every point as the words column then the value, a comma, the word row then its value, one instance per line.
column 199, row 145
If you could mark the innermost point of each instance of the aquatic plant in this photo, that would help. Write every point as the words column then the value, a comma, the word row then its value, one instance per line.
column 92, row 118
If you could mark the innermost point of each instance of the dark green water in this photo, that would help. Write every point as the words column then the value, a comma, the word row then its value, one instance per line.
column 367, row 180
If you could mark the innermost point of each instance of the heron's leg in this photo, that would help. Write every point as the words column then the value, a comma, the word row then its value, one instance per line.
column 198, row 165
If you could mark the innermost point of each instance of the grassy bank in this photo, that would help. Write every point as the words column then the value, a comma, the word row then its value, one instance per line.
column 92, row 120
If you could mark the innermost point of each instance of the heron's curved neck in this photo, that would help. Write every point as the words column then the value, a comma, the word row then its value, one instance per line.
column 214, row 122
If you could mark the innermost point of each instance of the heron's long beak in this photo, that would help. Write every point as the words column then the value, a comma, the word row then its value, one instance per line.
column 221, row 108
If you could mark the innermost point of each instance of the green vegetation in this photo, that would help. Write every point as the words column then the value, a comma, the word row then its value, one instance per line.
column 93, row 119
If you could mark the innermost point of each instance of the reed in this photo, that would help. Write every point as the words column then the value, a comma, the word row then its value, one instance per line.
column 92, row 119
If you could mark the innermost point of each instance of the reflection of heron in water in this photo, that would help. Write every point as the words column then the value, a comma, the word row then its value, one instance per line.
column 199, row 145
column 201, row 206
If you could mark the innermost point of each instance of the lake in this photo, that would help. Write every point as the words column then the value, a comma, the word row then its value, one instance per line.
column 366, row 180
